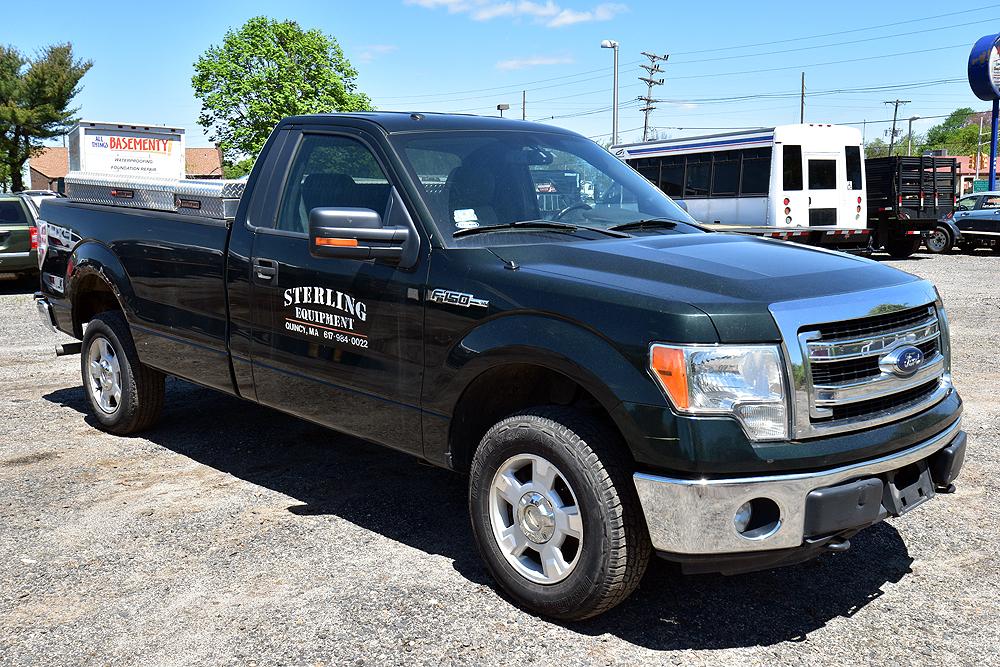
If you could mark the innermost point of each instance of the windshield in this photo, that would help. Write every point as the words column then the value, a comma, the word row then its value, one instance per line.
column 472, row 180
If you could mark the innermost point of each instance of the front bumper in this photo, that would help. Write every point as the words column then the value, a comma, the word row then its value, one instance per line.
column 696, row 516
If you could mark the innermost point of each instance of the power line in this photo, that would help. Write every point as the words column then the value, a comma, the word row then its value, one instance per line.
column 841, row 32
column 522, row 86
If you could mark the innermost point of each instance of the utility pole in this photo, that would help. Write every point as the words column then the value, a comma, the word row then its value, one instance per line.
column 979, row 146
column 524, row 102
column 909, row 135
column 653, row 68
column 613, row 45
column 895, row 112
column 802, row 100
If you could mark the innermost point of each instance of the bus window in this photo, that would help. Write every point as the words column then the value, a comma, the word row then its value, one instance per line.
column 853, row 154
column 648, row 167
column 699, row 169
column 756, row 171
column 672, row 176
column 792, row 167
column 726, row 174
column 822, row 174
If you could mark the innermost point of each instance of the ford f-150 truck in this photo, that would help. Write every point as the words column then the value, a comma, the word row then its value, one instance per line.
column 614, row 380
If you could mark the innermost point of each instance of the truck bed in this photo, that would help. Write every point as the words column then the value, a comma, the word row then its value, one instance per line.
column 173, row 268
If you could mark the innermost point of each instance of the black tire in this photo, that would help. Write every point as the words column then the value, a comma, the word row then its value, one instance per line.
column 902, row 248
column 615, row 547
column 141, row 386
column 939, row 240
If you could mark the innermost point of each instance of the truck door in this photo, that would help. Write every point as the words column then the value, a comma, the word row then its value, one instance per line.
column 346, row 336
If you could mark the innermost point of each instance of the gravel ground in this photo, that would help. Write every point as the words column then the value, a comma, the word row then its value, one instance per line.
column 231, row 534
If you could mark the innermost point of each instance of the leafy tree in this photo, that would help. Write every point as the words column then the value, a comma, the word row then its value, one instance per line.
column 264, row 71
column 35, row 94
column 957, row 134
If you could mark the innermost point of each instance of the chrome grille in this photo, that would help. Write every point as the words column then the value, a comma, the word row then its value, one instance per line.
column 842, row 364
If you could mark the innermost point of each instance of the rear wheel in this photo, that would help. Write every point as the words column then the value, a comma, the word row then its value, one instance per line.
column 938, row 240
column 125, row 396
column 555, row 513
column 901, row 248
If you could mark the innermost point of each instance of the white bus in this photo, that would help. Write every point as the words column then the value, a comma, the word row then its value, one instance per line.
column 786, row 176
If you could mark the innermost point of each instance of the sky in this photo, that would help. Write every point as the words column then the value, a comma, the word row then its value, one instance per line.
column 731, row 65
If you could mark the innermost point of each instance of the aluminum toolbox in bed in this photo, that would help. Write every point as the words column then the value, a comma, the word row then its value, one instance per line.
column 202, row 198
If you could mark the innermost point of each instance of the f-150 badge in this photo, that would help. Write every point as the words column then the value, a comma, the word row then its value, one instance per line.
column 456, row 298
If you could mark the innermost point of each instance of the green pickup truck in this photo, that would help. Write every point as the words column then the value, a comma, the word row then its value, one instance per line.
column 18, row 235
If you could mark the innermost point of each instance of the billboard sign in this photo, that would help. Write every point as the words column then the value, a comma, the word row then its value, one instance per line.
column 152, row 151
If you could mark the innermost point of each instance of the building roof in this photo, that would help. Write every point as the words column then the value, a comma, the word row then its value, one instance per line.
column 203, row 162
column 52, row 162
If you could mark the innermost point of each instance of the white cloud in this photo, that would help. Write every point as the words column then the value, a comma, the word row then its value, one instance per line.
column 547, row 13
column 373, row 51
column 532, row 61
column 602, row 12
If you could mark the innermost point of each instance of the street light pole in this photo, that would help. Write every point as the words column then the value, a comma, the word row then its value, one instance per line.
column 613, row 45
column 909, row 135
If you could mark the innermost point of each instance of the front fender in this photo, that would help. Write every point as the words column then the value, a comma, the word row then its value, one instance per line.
column 612, row 376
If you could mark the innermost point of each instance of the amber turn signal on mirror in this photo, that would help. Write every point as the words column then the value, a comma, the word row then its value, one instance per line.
column 336, row 242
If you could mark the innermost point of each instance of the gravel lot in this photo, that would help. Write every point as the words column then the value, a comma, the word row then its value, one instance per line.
column 231, row 534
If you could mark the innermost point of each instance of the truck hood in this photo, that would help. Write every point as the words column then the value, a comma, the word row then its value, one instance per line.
column 732, row 278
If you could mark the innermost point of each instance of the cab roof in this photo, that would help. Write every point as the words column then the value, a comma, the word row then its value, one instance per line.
column 420, row 121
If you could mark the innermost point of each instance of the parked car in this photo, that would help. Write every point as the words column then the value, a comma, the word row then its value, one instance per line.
column 613, row 380
column 18, row 235
column 38, row 195
column 975, row 222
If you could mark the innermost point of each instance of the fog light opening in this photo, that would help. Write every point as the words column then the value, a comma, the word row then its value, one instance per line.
column 757, row 519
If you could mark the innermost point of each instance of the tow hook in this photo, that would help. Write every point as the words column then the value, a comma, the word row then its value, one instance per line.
column 838, row 545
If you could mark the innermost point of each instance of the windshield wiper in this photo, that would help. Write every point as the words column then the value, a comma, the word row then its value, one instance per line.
column 647, row 223
column 540, row 225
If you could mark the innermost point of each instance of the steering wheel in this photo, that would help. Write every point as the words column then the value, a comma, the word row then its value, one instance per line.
column 572, row 207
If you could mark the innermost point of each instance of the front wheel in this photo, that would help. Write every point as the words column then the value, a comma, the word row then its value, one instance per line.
column 125, row 396
column 555, row 513
column 901, row 248
column 938, row 240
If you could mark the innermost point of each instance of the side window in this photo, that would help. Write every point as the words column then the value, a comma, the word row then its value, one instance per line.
column 331, row 171
column 791, row 164
column 756, row 178
column 699, row 169
column 966, row 203
column 672, row 176
column 726, row 174
column 991, row 202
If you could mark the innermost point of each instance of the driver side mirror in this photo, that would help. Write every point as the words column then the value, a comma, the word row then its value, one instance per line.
column 354, row 233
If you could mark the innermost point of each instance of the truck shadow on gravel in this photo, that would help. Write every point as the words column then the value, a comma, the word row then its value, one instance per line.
column 330, row 474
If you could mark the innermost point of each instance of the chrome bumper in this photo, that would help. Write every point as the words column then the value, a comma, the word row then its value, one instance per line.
column 45, row 313
column 688, row 516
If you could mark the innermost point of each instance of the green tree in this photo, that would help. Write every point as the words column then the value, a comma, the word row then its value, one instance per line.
column 956, row 134
column 263, row 72
column 35, row 94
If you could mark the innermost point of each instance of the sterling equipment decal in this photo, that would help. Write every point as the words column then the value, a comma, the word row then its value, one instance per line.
column 326, row 315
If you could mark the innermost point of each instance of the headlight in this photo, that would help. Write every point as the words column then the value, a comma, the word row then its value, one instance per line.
column 744, row 381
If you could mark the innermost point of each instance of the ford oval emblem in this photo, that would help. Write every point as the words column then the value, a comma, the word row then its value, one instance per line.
column 902, row 361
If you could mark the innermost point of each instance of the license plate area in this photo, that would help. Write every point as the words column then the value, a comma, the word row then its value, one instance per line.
column 907, row 488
